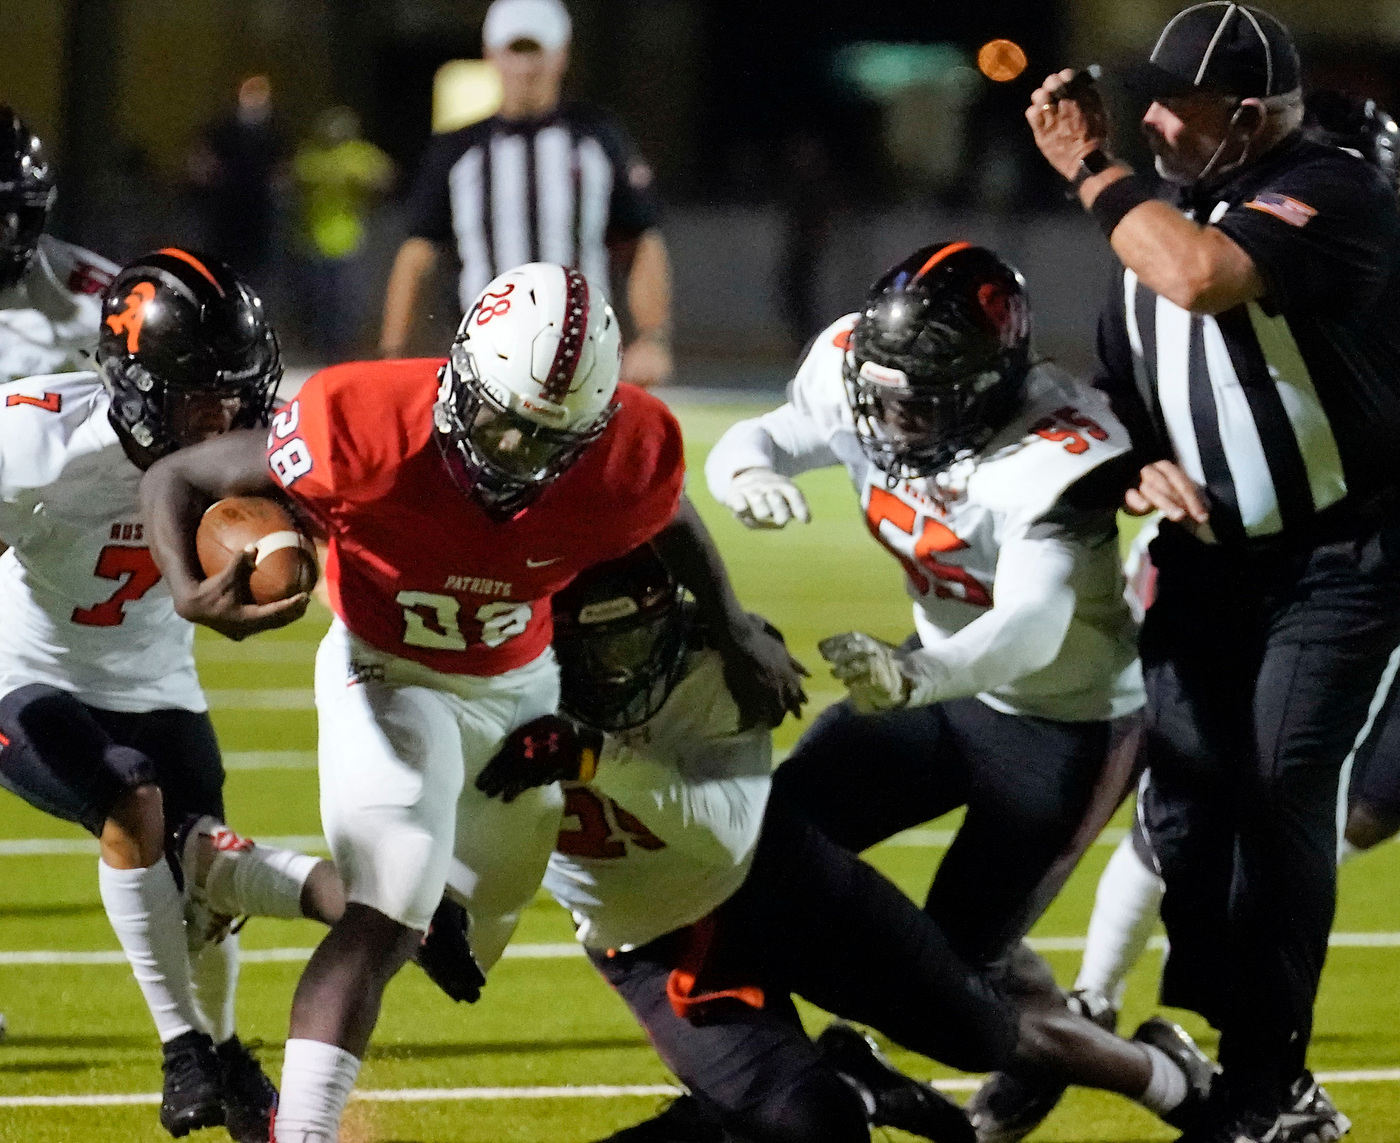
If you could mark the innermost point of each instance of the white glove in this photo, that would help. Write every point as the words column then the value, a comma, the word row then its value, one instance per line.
column 869, row 667
column 760, row 498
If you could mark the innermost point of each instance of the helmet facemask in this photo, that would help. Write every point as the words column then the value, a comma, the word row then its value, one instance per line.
column 507, row 457
column 620, row 659
column 21, row 223
column 918, row 430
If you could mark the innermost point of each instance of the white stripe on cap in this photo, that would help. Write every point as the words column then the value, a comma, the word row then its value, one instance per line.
column 1172, row 24
column 1230, row 10
column 1268, row 52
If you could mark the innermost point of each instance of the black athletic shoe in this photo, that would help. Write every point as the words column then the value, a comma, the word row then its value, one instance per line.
column 249, row 1097
column 893, row 1099
column 1010, row 1105
column 1200, row 1070
column 683, row 1121
column 446, row 954
column 192, row 1097
column 1311, row 1117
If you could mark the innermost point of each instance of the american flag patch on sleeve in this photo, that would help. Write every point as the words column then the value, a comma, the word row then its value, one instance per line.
column 1290, row 210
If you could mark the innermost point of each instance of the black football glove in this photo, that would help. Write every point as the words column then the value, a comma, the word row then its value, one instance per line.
column 764, row 680
column 550, row 749
column 446, row 954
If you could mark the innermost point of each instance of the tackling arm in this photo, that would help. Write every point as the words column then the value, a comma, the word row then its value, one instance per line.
column 763, row 678
column 174, row 494
column 748, row 469
column 1034, row 602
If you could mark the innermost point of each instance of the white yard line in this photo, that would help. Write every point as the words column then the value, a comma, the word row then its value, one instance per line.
column 85, row 846
column 21, row 957
column 270, row 760
column 571, row 1091
column 262, row 698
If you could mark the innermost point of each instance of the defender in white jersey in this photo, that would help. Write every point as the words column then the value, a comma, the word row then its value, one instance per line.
column 705, row 908
column 102, row 721
column 50, row 291
column 993, row 481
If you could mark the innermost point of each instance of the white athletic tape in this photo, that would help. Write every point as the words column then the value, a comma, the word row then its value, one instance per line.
column 277, row 541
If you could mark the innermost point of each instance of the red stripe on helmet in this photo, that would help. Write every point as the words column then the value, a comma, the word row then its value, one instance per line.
column 571, row 339
column 939, row 255
column 185, row 256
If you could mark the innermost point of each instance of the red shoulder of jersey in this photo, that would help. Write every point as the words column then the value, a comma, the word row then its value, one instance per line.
column 628, row 484
column 342, row 437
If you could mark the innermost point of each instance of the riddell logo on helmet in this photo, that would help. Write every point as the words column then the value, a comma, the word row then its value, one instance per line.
column 883, row 375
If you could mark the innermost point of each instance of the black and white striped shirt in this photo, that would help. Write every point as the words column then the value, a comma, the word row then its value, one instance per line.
column 1286, row 410
column 557, row 189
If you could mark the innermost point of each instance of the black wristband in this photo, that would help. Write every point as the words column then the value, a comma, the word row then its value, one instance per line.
column 1116, row 199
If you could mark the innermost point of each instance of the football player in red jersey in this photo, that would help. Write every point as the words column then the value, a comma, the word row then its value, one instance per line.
column 457, row 498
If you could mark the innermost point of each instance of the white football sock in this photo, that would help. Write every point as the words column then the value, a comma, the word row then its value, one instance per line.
column 1167, row 1087
column 1346, row 851
column 246, row 878
column 147, row 915
column 316, row 1083
column 216, row 986
column 1126, row 907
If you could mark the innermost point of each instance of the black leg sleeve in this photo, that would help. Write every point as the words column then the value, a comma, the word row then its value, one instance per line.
column 755, row 1070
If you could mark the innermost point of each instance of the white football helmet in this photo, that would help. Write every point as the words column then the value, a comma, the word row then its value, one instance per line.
column 529, row 382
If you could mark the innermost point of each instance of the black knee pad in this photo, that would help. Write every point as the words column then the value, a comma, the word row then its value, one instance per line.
column 55, row 756
column 819, row 1107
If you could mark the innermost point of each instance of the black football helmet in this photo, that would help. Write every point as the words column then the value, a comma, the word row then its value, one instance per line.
column 186, row 352
column 937, row 360
column 26, row 196
column 620, row 632
column 1359, row 125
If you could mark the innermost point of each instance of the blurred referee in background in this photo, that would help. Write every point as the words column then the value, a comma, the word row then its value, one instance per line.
column 540, row 181
column 1252, row 348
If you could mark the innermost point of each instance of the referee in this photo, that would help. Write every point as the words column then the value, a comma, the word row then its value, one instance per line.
column 540, row 181
column 1251, row 347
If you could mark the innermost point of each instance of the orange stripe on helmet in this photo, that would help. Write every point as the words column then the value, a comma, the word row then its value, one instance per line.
column 939, row 255
column 187, row 257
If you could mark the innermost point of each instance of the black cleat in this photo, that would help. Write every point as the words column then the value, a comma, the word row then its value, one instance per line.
column 446, row 954
column 1311, row 1116
column 192, row 1097
column 250, row 1100
column 1010, row 1105
column 684, row 1121
column 1200, row 1070
column 892, row 1099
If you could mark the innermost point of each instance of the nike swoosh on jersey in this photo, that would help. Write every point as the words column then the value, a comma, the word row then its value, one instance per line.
column 529, row 563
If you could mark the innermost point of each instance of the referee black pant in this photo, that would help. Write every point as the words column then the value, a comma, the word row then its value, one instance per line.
column 1259, row 671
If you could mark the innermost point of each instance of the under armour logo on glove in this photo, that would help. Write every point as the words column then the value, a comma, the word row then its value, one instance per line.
column 550, row 749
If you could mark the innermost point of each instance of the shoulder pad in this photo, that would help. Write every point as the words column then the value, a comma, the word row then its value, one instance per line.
column 818, row 390
column 1064, row 430
column 78, row 270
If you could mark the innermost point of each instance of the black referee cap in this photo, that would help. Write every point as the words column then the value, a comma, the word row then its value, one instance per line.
column 1222, row 48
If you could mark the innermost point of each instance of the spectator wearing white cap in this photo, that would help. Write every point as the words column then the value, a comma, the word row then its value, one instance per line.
column 541, row 180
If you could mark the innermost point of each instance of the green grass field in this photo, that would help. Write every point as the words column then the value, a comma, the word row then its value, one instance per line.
column 80, row 1030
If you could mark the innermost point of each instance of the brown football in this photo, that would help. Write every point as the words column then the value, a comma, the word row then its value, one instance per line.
column 285, row 560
